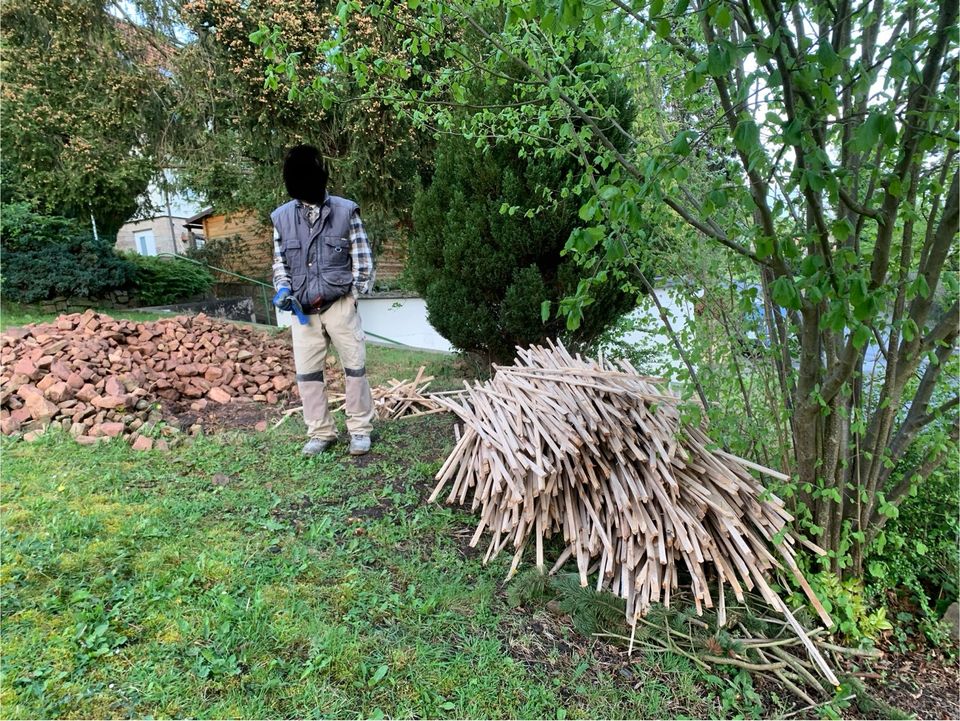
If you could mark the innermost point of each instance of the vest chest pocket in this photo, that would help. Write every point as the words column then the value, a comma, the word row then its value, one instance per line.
column 336, row 252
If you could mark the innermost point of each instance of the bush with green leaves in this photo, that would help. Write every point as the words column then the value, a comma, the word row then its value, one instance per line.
column 48, row 256
column 920, row 547
column 487, row 260
column 159, row 281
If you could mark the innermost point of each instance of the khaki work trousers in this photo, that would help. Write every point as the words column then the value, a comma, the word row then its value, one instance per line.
column 341, row 324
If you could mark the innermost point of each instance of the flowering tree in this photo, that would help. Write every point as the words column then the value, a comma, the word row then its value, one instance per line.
column 240, row 126
column 85, row 110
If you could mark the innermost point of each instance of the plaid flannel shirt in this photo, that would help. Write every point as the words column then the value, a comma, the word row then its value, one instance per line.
column 361, row 256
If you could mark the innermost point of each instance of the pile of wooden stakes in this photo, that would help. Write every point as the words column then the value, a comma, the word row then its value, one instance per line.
column 597, row 453
column 399, row 399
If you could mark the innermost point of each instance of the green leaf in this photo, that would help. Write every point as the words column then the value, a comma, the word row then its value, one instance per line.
column 860, row 337
column 680, row 144
column 842, row 229
column 858, row 289
column 878, row 126
column 746, row 136
column 378, row 675
column 895, row 186
column 830, row 62
column 793, row 132
column 554, row 88
column 887, row 127
column 693, row 82
column 616, row 248
column 921, row 547
column 866, row 309
column 909, row 330
column 811, row 265
column 583, row 240
column 785, row 293
column 814, row 180
column 723, row 17
column 719, row 61
column 865, row 137
column 609, row 192
column 545, row 311
column 718, row 198
column 763, row 246
column 588, row 211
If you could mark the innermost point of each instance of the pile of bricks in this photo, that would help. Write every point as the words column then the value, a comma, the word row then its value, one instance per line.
column 98, row 377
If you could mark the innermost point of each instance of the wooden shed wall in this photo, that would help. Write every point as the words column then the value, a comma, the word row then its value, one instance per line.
column 248, row 243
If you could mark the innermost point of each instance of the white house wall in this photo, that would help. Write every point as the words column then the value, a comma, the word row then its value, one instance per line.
column 126, row 237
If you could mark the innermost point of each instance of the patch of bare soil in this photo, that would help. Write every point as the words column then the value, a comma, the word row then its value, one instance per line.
column 924, row 683
column 239, row 414
column 545, row 639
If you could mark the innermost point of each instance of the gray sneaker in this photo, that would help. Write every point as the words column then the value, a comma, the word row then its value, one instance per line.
column 317, row 445
column 359, row 445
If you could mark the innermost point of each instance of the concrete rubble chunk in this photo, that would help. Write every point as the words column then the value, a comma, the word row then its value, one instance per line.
column 143, row 443
column 219, row 395
column 113, row 387
column 40, row 408
column 9, row 426
column 58, row 393
column 27, row 367
column 110, row 430
column 110, row 401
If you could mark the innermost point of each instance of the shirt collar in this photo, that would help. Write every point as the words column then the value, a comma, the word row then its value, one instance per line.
column 326, row 201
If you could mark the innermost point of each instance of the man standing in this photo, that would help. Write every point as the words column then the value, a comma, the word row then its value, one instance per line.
column 322, row 263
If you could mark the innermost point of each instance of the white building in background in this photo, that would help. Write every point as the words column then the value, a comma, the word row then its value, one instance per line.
column 159, row 224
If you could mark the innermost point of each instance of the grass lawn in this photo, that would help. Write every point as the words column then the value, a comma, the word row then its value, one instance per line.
column 233, row 578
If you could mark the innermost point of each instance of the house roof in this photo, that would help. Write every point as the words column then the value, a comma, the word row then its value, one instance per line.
column 194, row 220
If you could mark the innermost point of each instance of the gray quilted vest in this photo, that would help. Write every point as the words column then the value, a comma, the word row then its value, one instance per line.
column 319, row 257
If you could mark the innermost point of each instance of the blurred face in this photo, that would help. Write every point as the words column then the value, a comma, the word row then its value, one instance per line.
column 305, row 174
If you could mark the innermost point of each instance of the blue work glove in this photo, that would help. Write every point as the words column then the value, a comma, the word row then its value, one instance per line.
column 298, row 311
column 283, row 300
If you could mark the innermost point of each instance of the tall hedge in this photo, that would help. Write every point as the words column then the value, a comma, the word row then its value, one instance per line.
column 47, row 256
column 159, row 281
column 484, row 275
